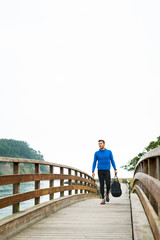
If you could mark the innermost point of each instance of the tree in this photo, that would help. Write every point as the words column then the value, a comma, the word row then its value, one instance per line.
column 20, row 149
column 130, row 166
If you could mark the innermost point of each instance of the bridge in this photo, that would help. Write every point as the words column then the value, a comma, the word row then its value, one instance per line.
column 77, row 213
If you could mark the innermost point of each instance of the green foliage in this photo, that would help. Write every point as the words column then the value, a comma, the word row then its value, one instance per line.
column 20, row 149
column 130, row 166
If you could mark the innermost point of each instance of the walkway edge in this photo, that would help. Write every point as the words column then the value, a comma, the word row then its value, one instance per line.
column 141, row 226
column 13, row 224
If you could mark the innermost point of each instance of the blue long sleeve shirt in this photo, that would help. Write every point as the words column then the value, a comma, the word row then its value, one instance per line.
column 104, row 158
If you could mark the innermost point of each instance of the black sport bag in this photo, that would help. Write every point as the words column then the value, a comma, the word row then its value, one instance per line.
column 116, row 190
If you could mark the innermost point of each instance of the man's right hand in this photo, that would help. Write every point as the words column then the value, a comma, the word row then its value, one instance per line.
column 93, row 174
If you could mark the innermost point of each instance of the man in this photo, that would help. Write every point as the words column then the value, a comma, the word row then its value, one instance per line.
column 104, row 158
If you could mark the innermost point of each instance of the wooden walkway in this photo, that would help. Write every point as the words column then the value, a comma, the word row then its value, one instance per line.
column 85, row 220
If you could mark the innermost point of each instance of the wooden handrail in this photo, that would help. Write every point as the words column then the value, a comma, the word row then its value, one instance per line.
column 79, row 181
column 34, row 161
column 146, row 184
column 151, row 184
column 19, row 178
column 153, row 154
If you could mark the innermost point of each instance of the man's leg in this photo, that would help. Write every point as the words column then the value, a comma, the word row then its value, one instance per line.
column 108, row 181
column 101, row 180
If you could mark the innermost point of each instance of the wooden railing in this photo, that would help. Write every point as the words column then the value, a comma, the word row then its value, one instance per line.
column 76, row 180
column 147, row 185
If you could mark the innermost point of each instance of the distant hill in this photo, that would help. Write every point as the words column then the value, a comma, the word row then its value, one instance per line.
column 19, row 149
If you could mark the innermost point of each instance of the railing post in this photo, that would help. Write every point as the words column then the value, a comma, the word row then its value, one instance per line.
column 70, row 181
column 129, row 188
column 51, row 182
column 16, row 187
column 89, row 185
column 37, row 183
column 61, row 181
column 149, row 173
column 145, row 166
column 141, row 169
column 81, row 191
column 158, row 168
column 159, row 211
column 85, row 184
column 76, row 183
column 141, row 166
column 145, row 170
column 149, row 169
column 158, row 177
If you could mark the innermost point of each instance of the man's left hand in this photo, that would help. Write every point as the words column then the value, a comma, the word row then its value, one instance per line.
column 115, row 171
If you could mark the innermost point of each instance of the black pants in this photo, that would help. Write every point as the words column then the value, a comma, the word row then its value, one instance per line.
column 104, row 175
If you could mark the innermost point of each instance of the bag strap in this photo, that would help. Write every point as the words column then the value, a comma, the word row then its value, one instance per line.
column 116, row 177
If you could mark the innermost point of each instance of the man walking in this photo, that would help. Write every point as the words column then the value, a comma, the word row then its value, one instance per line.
column 104, row 157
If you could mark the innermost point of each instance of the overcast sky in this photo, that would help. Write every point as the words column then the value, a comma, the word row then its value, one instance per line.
column 74, row 72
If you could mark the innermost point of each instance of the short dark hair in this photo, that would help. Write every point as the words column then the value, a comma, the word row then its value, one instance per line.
column 101, row 141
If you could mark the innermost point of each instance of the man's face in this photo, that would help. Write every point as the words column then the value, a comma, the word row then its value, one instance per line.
column 101, row 145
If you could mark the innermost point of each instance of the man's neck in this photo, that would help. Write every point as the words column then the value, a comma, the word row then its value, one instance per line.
column 102, row 148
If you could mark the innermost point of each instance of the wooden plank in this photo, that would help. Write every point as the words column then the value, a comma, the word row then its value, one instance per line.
column 15, row 223
column 85, row 220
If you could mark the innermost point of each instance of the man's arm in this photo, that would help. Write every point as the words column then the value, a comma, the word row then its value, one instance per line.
column 113, row 163
column 94, row 162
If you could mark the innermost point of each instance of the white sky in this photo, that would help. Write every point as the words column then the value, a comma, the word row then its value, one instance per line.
column 74, row 72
